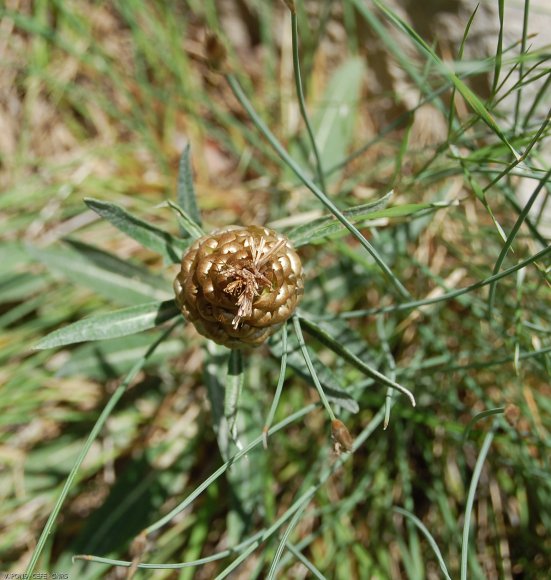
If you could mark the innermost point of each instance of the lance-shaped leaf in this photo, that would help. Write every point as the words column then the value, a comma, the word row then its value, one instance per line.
column 112, row 324
column 187, row 199
column 147, row 235
column 328, row 225
column 187, row 224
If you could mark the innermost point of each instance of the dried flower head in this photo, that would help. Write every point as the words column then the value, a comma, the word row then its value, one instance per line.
column 239, row 285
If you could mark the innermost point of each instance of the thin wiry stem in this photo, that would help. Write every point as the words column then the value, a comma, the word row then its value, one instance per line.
column 279, row 387
column 283, row 542
column 444, row 298
column 301, row 102
column 262, row 127
column 308, row 361
column 512, row 236
column 470, row 499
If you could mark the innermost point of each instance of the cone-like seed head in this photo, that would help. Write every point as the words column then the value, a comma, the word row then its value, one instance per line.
column 239, row 285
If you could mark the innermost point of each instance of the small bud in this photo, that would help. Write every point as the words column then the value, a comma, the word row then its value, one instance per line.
column 341, row 436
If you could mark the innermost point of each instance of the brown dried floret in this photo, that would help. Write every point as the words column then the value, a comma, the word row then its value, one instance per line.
column 239, row 285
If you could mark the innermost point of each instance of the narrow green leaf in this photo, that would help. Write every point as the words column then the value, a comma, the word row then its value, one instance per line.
column 186, row 197
column 301, row 100
column 186, row 223
column 13, row 256
column 512, row 235
column 112, row 324
column 149, row 236
column 331, row 386
column 311, row 368
column 478, row 190
column 471, row 497
column 328, row 224
column 23, row 309
column 109, row 276
column 432, row 542
column 459, row 58
column 16, row 286
column 499, row 49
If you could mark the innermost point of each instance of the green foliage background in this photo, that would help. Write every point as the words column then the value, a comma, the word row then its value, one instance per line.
column 99, row 99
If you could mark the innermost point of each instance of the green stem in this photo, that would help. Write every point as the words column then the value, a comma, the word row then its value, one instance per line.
column 262, row 127
column 444, row 298
column 308, row 361
column 279, row 387
column 234, row 386
column 511, row 238
column 300, row 95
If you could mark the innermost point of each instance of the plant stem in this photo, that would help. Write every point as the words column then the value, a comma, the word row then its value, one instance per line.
column 262, row 127
column 301, row 102
column 279, row 387
column 308, row 361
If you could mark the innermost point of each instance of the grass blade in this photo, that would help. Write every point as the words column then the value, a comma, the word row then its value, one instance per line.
column 460, row 57
column 499, row 49
column 300, row 96
column 470, row 499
